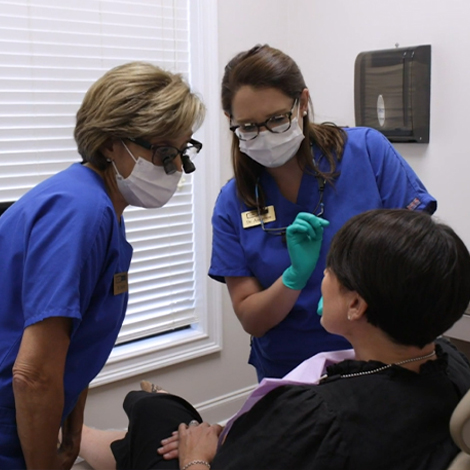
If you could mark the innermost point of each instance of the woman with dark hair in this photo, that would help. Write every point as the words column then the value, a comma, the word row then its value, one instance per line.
column 285, row 164
column 395, row 280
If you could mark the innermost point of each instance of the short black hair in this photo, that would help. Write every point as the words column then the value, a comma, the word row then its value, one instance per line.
column 412, row 271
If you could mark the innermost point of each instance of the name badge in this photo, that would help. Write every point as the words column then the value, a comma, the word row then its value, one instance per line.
column 252, row 219
column 120, row 283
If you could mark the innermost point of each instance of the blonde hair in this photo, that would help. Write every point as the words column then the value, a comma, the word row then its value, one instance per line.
column 135, row 100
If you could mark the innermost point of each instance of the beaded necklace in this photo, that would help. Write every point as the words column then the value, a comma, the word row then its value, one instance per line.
column 379, row 369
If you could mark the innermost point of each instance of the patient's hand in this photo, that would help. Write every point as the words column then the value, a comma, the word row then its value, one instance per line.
column 169, row 448
column 197, row 442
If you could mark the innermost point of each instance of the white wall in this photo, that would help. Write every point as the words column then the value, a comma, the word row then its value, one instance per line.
column 331, row 33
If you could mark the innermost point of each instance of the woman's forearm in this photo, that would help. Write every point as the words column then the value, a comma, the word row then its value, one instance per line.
column 39, row 409
column 72, row 432
column 38, row 388
column 260, row 310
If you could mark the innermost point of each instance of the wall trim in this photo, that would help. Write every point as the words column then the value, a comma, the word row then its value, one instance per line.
column 220, row 409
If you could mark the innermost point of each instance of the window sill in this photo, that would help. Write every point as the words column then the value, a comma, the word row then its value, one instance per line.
column 154, row 353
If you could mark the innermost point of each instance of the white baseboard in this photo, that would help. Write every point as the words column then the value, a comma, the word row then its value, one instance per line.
column 221, row 409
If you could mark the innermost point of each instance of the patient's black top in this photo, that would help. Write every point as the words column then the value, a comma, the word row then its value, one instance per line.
column 394, row 419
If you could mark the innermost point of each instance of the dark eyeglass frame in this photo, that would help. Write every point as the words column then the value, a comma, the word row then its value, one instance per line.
column 281, row 231
column 265, row 124
column 167, row 153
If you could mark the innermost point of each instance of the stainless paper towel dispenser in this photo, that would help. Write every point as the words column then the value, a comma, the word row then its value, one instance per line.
column 392, row 89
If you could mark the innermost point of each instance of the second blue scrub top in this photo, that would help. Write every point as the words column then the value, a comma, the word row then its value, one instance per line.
column 372, row 175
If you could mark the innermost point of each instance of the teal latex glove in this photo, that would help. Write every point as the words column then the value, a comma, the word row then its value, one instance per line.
column 320, row 306
column 304, row 238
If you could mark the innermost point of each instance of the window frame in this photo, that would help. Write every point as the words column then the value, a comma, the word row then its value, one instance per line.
column 204, row 337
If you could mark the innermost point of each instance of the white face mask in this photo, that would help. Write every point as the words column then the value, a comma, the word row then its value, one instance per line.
column 273, row 150
column 148, row 185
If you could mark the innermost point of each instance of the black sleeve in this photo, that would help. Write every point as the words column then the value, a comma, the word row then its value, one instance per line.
column 458, row 366
column 152, row 417
column 290, row 428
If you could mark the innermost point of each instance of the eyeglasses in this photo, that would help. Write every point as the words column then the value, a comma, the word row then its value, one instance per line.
column 275, row 124
column 281, row 231
column 165, row 154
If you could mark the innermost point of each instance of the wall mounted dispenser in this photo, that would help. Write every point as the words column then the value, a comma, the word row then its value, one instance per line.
column 392, row 92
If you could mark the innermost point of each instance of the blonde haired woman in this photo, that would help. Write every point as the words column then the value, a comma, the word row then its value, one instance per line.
column 65, row 257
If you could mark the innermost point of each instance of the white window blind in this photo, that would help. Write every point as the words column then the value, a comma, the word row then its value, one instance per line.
column 51, row 51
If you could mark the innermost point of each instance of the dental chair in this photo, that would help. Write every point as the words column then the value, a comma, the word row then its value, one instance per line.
column 460, row 432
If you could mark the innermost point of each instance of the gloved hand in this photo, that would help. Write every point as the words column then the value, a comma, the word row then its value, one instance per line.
column 320, row 306
column 304, row 238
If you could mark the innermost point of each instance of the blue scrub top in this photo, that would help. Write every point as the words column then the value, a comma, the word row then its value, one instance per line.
column 60, row 245
column 371, row 175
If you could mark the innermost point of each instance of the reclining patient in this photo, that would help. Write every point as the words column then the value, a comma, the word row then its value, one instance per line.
column 395, row 281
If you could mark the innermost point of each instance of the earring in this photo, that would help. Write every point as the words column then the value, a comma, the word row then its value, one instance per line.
column 349, row 317
column 304, row 113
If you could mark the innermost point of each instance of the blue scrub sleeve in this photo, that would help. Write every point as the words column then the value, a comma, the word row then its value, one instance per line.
column 58, row 244
column 398, row 184
column 227, row 252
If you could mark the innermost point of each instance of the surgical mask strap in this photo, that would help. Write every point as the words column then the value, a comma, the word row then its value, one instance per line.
column 128, row 151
